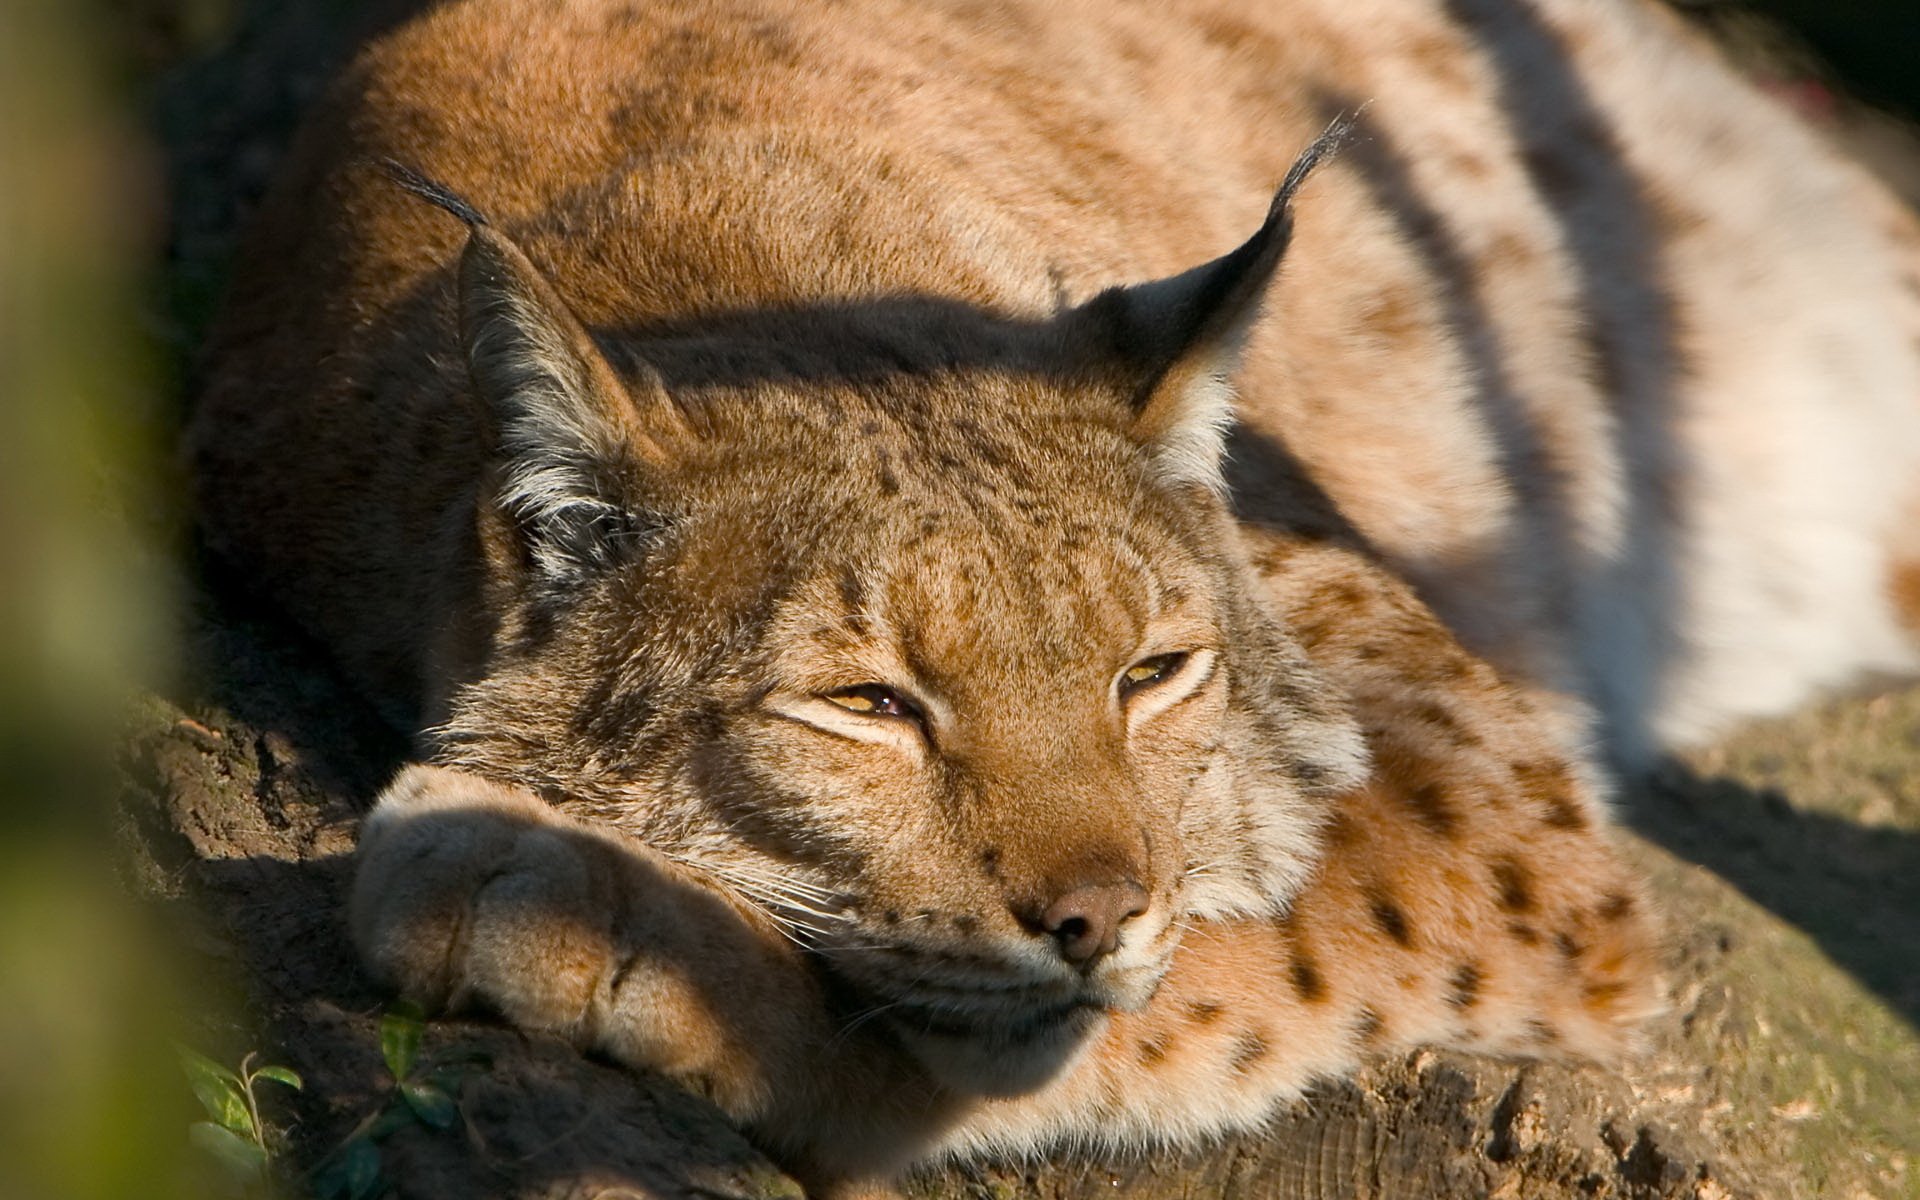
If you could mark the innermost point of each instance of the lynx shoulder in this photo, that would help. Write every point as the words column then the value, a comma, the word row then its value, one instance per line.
column 949, row 615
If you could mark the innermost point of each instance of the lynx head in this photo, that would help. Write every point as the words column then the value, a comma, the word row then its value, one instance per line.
column 924, row 629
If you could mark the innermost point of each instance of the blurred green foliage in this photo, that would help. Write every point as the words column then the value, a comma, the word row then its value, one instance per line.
column 91, row 1104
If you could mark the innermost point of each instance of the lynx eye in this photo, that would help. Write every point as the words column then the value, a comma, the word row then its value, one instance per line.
column 1149, row 671
column 874, row 700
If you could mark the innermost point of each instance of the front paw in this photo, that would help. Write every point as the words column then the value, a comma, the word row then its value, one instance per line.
column 468, row 891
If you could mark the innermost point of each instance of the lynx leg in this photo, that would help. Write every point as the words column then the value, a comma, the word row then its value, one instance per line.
column 468, row 891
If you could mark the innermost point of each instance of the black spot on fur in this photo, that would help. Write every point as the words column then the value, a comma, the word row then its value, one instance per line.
column 1433, row 810
column 1203, row 1013
column 1523, row 933
column 1248, row 1049
column 1603, row 993
column 1615, row 907
column 1563, row 813
column 1513, row 885
column 990, row 862
column 1389, row 916
column 1154, row 1049
column 1368, row 1028
column 1552, row 786
column 1443, row 723
column 1463, row 986
column 1307, row 983
column 1569, row 948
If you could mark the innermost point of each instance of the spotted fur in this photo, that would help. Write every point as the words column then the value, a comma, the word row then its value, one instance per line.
column 713, row 362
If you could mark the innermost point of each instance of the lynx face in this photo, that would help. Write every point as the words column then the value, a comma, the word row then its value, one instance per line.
column 955, row 671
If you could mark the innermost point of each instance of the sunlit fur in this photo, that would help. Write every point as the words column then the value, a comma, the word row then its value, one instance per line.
column 781, row 347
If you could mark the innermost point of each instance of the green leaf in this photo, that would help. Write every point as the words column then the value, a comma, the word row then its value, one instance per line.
column 285, row 1075
column 218, row 1090
column 353, row 1173
column 242, row 1159
column 433, row 1106
column 363, row 1171
column 400, row 1030
column 393, row 1118
column 196, row 1063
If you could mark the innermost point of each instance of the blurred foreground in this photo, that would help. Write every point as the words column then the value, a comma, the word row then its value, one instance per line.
column 1790, row 857
column 90, row 1100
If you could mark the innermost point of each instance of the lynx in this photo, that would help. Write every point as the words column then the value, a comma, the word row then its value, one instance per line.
column 933, row 622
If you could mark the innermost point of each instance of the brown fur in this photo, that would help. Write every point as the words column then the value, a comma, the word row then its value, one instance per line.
column 1905, row 587
column 799, row 349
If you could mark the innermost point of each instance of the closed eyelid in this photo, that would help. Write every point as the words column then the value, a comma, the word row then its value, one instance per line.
column 819, row 712
column 846, row 669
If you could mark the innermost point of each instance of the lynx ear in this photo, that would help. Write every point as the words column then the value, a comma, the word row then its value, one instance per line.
column 567, row 431
column 1179, row 339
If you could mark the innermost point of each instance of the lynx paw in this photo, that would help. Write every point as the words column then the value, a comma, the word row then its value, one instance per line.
column 468, row 892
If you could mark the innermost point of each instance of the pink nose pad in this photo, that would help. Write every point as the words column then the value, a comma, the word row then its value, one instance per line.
column 1085, row 922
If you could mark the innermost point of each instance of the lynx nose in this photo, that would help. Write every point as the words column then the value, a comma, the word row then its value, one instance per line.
column 1085, row 922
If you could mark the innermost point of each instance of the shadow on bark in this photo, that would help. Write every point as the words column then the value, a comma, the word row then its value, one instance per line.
column 1853, row 888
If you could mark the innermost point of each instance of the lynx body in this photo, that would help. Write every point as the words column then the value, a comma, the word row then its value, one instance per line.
column 806, row 468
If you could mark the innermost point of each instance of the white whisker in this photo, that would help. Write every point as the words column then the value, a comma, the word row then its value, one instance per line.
column 793, row 906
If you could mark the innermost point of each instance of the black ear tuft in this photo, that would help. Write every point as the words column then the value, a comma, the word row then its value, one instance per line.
column 1332, row 140
column 1179, row 339
column 569, row 436
column 432, row 191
